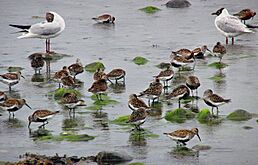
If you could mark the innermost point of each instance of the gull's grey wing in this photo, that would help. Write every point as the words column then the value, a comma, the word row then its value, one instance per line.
column 45, row 28
column 231, row 24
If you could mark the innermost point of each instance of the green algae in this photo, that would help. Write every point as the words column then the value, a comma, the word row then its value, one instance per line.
column 66, row 136
column 239, row 115
column 218, row 65
column 98, row 104
column 136, row 163
column 121, row 120
column 179, row 115
column 92, row 67
column 183, row 151
column 150, row 9
column 140, row 60
column 14, row 68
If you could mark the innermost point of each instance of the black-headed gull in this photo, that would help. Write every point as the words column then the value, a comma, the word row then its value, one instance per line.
column 50, row 28
column 228, row 25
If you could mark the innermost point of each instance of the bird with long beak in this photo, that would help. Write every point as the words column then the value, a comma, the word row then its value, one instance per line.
column 12, row 105
column 11, row 78
column 184, row 135
column 41, row 116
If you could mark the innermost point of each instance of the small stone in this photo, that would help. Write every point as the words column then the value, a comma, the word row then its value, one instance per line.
column 178, row 4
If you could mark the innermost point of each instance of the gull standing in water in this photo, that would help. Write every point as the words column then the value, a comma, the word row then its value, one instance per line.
column 50, row 28
column 230, row 26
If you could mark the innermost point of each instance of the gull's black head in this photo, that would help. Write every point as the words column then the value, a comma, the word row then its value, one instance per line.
column 218, row 12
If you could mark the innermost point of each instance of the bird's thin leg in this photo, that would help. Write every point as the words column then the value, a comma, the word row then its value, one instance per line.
column 212, row 111
column 46, row 46
column 179, row 106
column 232, row 40
column 217, row 111
column 226, row 40
column 10, row 88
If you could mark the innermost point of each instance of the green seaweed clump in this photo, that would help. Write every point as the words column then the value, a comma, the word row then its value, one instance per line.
column 122, row 120
column 67, row 136
column 163, row 65
column 179, row 115
column 217, row 78
column 218, row 65
column 150, row 9
column 59, row 93
column 184, row 151
column 140, row 60
column 14, row 68
column 204, row 116
column 98, row 104
column 92, row 67
column 257, row 120
column 136, row 163
column 239, row 115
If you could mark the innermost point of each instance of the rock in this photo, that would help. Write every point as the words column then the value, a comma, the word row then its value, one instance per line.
column 247, row 127
column 112, row 157
column 239, row 115
column 179, row 115
column 178, row 4
column 201, row 147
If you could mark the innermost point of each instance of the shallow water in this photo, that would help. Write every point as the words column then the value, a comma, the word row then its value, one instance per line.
column 133, row 34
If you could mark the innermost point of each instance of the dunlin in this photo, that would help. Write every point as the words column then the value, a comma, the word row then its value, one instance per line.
column 165, row 75
column 60, row 74
column 179, row 93
column 184, row 135
column 202, row 52
column 135, row 103
column 76, row 68
column 98, row 74
column 138, row 117
column 68, row 82
column 219, row 50
column 116, row 74
column 245, row 14
column 99, row 87
column 50, row 28
column 37, row 62
column 180, row 61
column 153, row 92
column 105, row 18
column 214, row 100
column 11, row 79
column 71, row 101
column 3, row 97
column 41, row 116
column 11, row 105
column 228, row 25
column 193, row 83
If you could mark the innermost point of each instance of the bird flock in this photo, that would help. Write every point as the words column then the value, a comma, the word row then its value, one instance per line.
column 228, row 25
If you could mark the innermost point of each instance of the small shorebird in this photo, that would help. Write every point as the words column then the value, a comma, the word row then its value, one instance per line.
column 153, row 92
column 11, row 78
column 50, row 28
column 193, row 83
column 186, row 53
column 105, row 18
column 245, row 14
column 98, row 74
column 138, row 117
column 228, row 25
column 201, row 53
column 135, row 103
column 41, row 116
column 180, row 61
column 71, row 101
column 116, row 74
column 3, row 97
column 219, row 50
column 68, row 82
column 179, row 93
column 99, row 87
column 184, row 135
column 165, row 75
column 60, row 74
column 214, row 100
column 37, row 62
column 76, row 68
column 11, row 105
